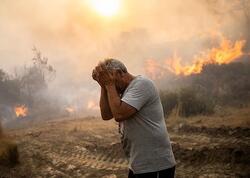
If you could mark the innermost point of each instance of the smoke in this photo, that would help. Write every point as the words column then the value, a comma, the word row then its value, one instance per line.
column 75, row 38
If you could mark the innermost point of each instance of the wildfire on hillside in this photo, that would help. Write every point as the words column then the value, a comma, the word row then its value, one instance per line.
column 21, row 111
column 225, row 53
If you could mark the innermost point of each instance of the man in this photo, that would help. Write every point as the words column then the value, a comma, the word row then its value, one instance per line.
column 134, row 102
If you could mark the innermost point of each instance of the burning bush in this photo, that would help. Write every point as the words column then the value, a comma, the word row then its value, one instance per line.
column 27, row 88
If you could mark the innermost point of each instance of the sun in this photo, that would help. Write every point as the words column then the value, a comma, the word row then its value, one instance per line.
column 106, row 8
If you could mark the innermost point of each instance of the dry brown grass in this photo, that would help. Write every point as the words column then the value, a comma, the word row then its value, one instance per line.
column 228, row 117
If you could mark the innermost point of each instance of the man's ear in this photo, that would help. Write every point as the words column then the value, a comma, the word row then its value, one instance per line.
column 120, row 72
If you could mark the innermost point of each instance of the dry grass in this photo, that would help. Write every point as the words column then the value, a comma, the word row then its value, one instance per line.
column 228, row 117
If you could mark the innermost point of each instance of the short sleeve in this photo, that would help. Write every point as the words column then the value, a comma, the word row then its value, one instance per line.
column 138, row 94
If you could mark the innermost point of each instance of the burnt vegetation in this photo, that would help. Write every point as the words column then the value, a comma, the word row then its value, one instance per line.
column 28, row 86
column 216, row 86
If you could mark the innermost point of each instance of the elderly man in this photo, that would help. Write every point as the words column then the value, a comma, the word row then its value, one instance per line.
column 134, row 102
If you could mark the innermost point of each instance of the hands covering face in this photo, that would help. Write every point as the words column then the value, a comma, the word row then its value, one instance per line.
column 102, row 75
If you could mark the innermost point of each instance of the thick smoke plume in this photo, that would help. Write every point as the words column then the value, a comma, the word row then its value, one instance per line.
column 75, row 38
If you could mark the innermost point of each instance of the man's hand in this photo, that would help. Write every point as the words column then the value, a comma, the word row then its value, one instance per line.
column 104, row 104
column 95, row 75
column 104, row 76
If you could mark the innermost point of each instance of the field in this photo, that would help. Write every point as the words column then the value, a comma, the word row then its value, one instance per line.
column 89, row 148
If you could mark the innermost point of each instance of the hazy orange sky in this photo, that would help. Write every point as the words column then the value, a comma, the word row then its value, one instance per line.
column 74, row 36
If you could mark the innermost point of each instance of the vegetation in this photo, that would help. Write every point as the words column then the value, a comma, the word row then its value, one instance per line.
column 216, row 85
column 169, row 101
column 187, row 102
column 27, row 86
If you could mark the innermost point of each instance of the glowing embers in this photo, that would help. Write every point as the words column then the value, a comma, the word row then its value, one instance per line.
column 92, row 105
column 21, row 111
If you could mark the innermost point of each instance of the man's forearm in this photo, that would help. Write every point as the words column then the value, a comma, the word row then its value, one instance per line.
column 104, row 105
column 114, row 100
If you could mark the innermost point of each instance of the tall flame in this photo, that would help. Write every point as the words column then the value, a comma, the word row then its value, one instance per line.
column 226, row 52
column 21, row 111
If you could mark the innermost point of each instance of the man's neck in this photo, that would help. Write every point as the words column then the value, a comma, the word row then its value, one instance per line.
column 128, row 78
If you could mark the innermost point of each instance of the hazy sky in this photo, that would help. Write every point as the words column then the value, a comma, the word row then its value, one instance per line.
column 75, row 37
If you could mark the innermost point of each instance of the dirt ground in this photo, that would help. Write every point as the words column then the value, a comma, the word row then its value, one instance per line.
column 90, row 148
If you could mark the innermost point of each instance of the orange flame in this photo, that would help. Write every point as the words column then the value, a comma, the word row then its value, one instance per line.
column 226, row 52
column 92, row 105
column 70, row 109
column 175, row 66
column 21, row 111
column 154, row 69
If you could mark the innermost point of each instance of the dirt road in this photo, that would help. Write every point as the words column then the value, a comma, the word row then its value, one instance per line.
column 90, row 148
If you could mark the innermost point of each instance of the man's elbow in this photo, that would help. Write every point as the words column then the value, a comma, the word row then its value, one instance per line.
column 119, row 117
column 106, row 117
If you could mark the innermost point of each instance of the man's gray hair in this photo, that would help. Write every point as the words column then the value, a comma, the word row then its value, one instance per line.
column 114, row 64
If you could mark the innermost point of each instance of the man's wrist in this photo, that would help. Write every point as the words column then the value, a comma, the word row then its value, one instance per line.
column 109, row 86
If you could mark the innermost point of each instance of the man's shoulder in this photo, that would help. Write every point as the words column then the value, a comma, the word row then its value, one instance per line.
column 144, row 81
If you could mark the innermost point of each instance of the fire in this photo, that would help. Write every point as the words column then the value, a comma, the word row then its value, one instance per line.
column 21, row 111
column 70, row 109
column 227, row 52
column 92, row 105
column 154, row 69
column 174, row 65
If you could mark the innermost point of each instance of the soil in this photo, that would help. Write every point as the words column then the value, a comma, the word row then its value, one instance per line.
column 90, row 148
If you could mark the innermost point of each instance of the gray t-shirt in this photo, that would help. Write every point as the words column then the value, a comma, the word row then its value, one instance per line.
column 144, row 135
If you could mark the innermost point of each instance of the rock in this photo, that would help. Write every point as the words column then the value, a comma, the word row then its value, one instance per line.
column 1, row 130
column 54, row 162
column 8, row 152
column 71, row 167
column 110, row 176
column 34, row 134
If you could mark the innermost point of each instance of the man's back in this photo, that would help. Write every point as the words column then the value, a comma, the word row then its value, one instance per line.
column 144, row 134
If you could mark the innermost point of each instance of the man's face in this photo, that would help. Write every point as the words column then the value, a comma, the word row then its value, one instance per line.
column 119, row 83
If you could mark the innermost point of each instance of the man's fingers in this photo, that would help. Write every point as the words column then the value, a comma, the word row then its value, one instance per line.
column 98, row 69
column 95, row 75
column 101, row 70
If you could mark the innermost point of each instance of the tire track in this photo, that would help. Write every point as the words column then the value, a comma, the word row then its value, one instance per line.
column 67, row 161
